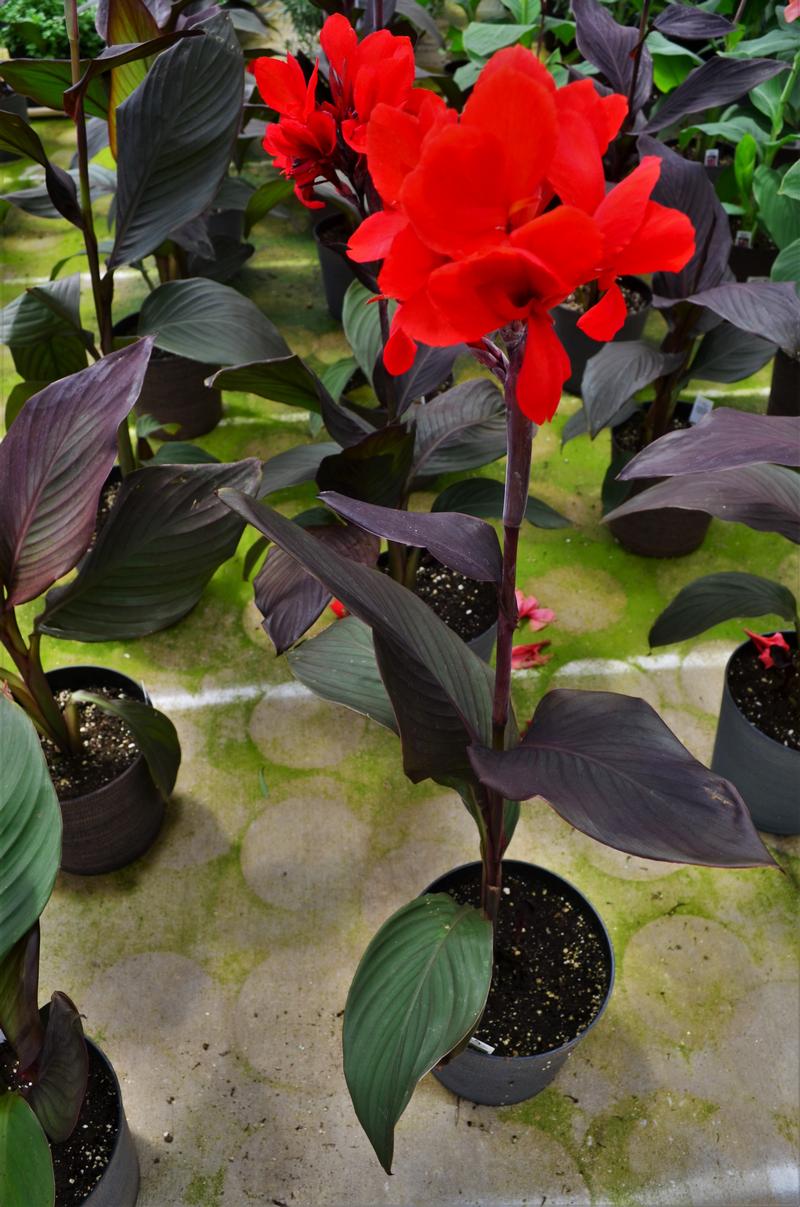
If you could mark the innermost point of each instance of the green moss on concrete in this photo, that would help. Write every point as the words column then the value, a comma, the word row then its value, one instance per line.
column 552, row 1112
column 205, row 1190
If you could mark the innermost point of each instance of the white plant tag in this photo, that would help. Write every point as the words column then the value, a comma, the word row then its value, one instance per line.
column 743, row 239
column 701, row 407
column 481, row 1046
column 711, row 157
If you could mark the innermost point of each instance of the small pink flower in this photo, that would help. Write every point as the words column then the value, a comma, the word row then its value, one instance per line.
column 768, row 646
column 528, row 609
column 338, row 609
column 792, row 11
column 523, row 656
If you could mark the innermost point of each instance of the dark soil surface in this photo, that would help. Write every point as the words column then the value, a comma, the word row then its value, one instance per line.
column 80, row 1161
column 630, row 435
column 552, row 968
column 466, row 606
column 768, row 696
column 634, row 301
column 109, row 749
column 108, row 497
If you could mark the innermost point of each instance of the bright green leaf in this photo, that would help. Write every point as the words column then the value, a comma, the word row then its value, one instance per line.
column 26, row 1167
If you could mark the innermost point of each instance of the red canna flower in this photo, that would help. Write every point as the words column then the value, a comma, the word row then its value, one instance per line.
column 768, row 648
column 528, row 609
column 525, row 656
column 338, row 609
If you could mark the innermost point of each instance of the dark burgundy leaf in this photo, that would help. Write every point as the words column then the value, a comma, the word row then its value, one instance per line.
column 691, row 24
column 462, row 542
column 53, row 463
column 484, row 497
column 616, row 373
column 770, row 309
column 717, row 597
column 376, row 469
column 58, row 1091
column 339, row 665
column 725, row 439
column 460, row 429
column 391, row 610
column 19, row 998
column 295, row 465
column 289, row 598
column 716, row 82
column 19, row 137
column 765, row 497
column 117, row 56
column 729, row 354
column 609, row 47
column 609, row 766
column 431, row 367
column 346, row 426
column 685, row 186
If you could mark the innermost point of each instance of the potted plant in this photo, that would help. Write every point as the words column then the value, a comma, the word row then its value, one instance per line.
column 605, row 762
column 784, row 393
column 755, row 317
column 63, row 1132
column 733, row 465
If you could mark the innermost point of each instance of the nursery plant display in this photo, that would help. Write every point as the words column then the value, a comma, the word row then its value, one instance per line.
column 63, row 1132
column 734, row 465
column 462, row 271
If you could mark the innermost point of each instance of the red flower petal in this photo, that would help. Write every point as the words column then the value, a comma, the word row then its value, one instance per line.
column 568, row 242
column 545, row 368
column 393, row 150
column 281, row 84
column 408, row 266
column 485, row 291
column 375, row 235
column 605, row 318
column 664, row 242
column 340, row 43
column 524, row 656
column 622, row 211
column 399, row 353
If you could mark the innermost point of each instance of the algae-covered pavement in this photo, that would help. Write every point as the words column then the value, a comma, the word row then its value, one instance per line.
column 214, row 971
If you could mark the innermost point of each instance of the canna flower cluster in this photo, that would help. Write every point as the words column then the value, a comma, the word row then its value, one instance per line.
column 492, row 217
column 523, row 657
column 773, row 651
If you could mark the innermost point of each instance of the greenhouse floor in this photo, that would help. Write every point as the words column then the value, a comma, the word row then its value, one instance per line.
column 214, row 971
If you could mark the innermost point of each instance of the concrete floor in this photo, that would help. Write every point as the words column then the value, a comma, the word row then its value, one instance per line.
column 214, row 971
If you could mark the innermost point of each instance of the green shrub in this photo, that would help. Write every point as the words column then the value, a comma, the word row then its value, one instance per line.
column 35, row 29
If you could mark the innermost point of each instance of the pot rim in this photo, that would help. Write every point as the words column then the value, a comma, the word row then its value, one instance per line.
column 567, row 1047
column 135, row 766
column 759, row 734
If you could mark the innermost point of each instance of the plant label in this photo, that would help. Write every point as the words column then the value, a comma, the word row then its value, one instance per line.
column 481, row 1046
column 701, row 407
column 711, row 157
column 744, row 239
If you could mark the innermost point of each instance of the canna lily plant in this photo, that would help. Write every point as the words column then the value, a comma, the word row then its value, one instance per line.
column 480, row 234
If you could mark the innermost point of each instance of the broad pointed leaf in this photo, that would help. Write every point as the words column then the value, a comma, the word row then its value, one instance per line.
column 339, row 665
column 464, row 543
column 282, row 378
column 463, row 428
column 60, row 1085
column 717, row 597
column 484, row 497
column 377, row 469
column 765, row 497
column 770, row 309
column 26, row 1167
column 298, row 464
column 210, row 322
column 181, row 452
column 691, row 24
column 724, row 439
column 388, row 608
column 716, row 82
column 616, row 373
column 729, row 354
column 53, row 463
column 44, row 81
column 18, row 137
column 418, row 992
column 20, row 1021
column 289, row 598
column 153, row 732
column 30, row 826
column 362, row 327
column 38, row 202
column 41, row 327
column 787, row 263
column 609, row 766
column 609, row 47
column 164, row 538
column 268, row 195
column 430, row 369
column 176, row 135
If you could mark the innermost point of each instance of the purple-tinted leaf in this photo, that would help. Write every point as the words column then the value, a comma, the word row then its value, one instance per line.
column 609, row 766
column 391, row 610
column 691, row 24
column 289, row 598
column 58, row 1091
column 716, row 82
column 153, row 732
column 295, row 465
column 431, row 367
column 18, row 137
column 724, row 439
column 347, row 427
column 376, row 469
column 717, row 597
column 19, row 999
column 729, row 354
column 770, row 309
column 484, row 497
column 53, row 463
column 685, row 186
column 285, row 379
column 460, row 429
column 462, row 542
column 117, row 56
column 616, row 373
column 609, row 47
column 765, row 497
column 339, row 665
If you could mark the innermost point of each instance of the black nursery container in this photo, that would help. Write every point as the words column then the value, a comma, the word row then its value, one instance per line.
column 784, row 393
column 580, row 348
column 337, row 275
column 495, row 1080
column 108, row 828
column 119, row 1185
column 766, row 772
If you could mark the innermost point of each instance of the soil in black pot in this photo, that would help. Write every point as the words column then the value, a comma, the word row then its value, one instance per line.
column 634, row 301
column 109, row 748
column 81, row 1160
column 108, row 497
column 552, row 970
column 768, row 696
column 630, row 435
column 466, row 606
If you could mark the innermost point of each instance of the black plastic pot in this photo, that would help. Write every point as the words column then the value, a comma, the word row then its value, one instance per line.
column 766, row 772
column 337, row 275
column 747, row 262
column 665, row 531
column 495, row 1080
column 580, row 348
column 784, row 393
column 174, row 391
column 107, row 829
